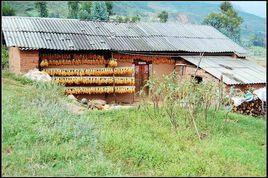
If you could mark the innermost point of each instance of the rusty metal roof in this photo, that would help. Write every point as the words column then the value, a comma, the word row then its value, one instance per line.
column 234, row 71
column 73, row 34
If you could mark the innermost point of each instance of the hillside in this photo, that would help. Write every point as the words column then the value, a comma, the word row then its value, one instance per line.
column 41, row 137
column 193, row 12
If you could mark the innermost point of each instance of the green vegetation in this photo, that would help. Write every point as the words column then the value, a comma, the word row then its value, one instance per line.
column 125, row 19
column 257, row 51
column 73, row 9
column 227, row 21
column 257, row 54
column 8, row 10
column 4, row 54
column 42, row 138
column 41, row 7
column 163, row 16
column 99, row 11
column 84, row 12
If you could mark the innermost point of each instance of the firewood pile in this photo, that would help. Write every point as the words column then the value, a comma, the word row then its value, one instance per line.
column 251, row 103
column 253, row 108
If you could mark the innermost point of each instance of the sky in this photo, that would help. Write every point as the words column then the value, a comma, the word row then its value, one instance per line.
column 254, row 7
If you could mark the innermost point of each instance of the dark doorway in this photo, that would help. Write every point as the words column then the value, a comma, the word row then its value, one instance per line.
column 141, row 75
column 198, row 79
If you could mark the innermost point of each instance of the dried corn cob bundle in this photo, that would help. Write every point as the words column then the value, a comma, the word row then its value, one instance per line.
column 125, row 80
column 112, row 63
column 88, row 90
column 90, row 72
column 44, row 63
column 75, row 56
column 99, row 90
column 124, row 70
column 57, row 62
column 94, row 80
column 124, row 89
column 154, row 59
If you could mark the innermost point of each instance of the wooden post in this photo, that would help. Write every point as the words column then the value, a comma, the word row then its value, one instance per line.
column 114, row 86
column 201, row 55
column 113, row 81
column 220, row 92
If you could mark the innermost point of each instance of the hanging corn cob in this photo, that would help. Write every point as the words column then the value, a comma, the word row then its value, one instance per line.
column 124, row 89
column 153, row 59
column 68, row 56
column 94, row 80
column 112, row 63
column 99, row 90
column 44, row 63
column 55, row 62
column 90, row 72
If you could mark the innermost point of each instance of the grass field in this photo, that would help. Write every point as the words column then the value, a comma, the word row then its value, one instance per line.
column 42, row 138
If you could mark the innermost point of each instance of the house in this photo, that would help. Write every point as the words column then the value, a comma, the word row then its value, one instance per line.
column 80, row 50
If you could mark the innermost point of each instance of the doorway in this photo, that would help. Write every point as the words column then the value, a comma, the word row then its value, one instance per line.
column 141, row 75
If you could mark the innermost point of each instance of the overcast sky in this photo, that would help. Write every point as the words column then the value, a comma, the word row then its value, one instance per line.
column 254, row 7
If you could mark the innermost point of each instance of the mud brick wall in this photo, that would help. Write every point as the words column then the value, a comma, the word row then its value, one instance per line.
column 21, row 61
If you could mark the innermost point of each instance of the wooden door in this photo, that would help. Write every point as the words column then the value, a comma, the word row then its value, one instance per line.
column 141, row 75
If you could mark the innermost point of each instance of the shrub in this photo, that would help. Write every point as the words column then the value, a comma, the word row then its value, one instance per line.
column 4, row 57
column 188, row 97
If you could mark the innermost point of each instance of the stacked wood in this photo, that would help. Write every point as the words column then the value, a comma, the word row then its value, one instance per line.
column 253, row 108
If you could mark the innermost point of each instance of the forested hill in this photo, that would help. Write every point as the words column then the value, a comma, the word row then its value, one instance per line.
column 189, row 12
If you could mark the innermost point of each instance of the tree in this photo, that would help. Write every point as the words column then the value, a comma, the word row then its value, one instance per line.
column 119, row 19
column 54, row 15
column 7, row 9
column 109, row 6
column 99, row 11
column 257, row 40
column 225, row 6
column 227, row 21
column 163, row 16
column 41, row 7
column 73, row 8
column 84, row 12
column 135, row 18
column 126, row 19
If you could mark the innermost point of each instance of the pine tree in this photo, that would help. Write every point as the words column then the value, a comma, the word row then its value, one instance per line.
column 41, row 7
column 99, row 11
column 73, row 9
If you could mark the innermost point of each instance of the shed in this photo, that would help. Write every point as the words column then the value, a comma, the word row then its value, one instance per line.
column 73, row 47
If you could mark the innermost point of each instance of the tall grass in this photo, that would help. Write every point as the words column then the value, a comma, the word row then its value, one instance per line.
column 42, row 138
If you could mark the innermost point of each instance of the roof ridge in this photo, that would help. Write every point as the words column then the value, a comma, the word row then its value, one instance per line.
column 96, row 21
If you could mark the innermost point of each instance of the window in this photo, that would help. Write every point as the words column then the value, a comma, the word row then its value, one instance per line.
column 181, row 69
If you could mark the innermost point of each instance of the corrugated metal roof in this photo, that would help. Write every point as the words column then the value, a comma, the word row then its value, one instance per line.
column 234, row 71
column 73, row 34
